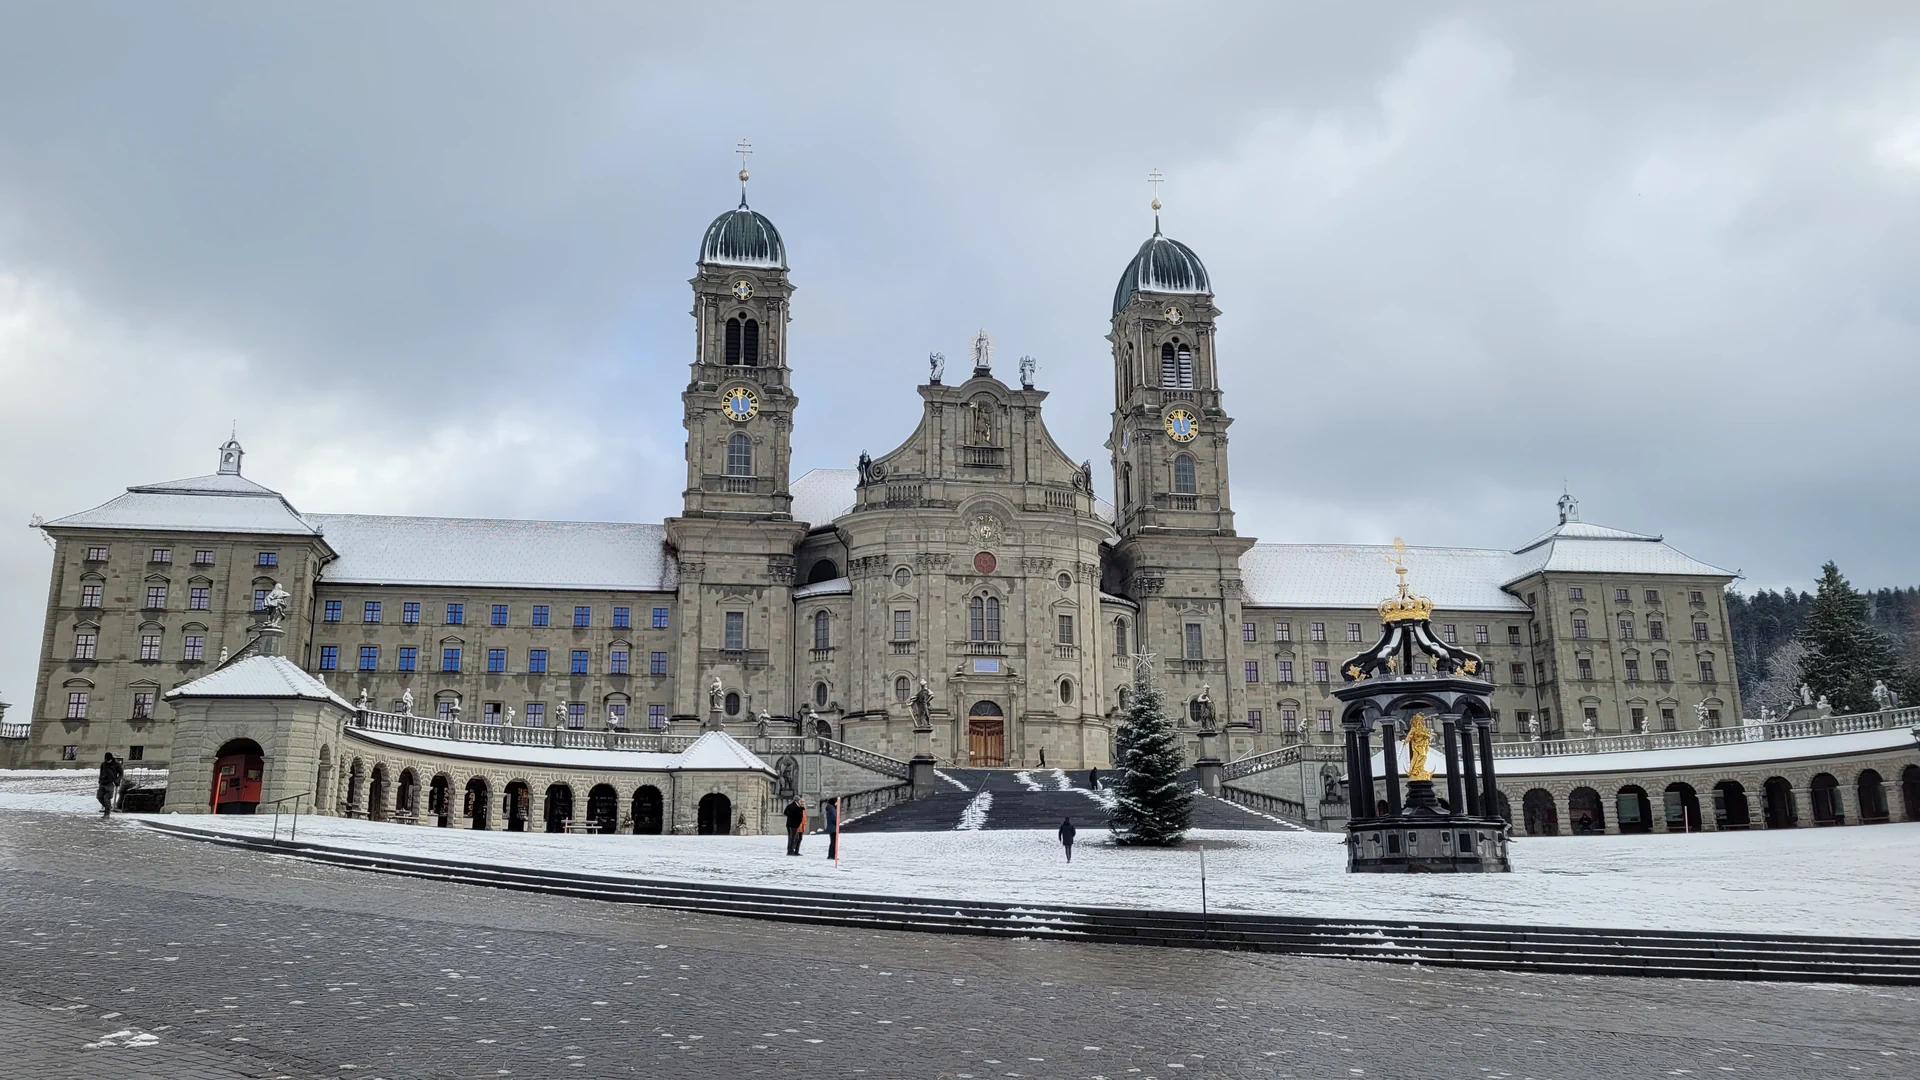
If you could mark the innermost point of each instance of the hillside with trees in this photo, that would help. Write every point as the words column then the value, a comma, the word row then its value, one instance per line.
column 1837, row 640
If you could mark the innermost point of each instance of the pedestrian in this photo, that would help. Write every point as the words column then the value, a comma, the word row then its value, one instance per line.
column 1066, row 836
column 796, row 824
column 1043, row 757
column 111, row 770
column 1093, row 779
column 833, row 829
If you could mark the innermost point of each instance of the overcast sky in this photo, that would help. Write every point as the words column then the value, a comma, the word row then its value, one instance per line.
column 433, row 257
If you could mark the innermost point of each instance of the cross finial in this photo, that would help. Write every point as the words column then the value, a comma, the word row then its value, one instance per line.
column 743, row 150
column 1155, row 179
column 1399, row 561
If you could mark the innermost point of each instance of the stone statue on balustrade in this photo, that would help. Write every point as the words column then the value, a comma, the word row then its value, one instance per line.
column 714, row 693
column 760, row 725
column 1806, row 694
column 365, row 700
column 406, row 701
column 1883, row 698
column 273, row 608
column 923, row 708
column 1203, row 709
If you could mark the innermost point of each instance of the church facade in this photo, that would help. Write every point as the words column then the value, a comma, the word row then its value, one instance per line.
column 975, row 557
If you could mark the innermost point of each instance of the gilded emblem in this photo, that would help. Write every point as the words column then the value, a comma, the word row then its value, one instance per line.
column 985, row 528
column 743, row 289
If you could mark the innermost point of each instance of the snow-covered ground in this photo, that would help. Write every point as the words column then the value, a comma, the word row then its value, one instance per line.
column 65, row 790
column 1856, row 880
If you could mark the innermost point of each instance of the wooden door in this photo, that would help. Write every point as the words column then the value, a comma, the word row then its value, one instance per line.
column 986, row 741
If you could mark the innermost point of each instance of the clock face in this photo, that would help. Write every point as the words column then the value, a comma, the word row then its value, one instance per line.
column 739, row 404
column 743, row 289
column 1173, row 315
column 1181, row 426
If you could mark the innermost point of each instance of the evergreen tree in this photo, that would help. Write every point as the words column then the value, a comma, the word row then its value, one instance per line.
column 1845, row 654
column 1154, row 802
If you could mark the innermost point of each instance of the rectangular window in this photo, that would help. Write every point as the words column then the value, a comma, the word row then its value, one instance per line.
column 1422, row 667
column 1579, row 628
column 1450, row 633
column 1706, row 671
column 1699, row 631
column 499, row 615
column 1065, row 632
column 195, row 648
column 90, row 595
column 1540, row 671
column 331, row 611
column 329, row 657
column 902, row 625
column 1693, row 597
column 1317, row 631
column 1289, row 721
column 1521, row 719
column 1325, row 719
column 1586, row 668
column 1656, row 630
column 536, row 661
column 369, row 658
column 445, row 709
column 656, row 663
column 370, row 611
column 268, row 558
column 617, row 661
column 1633, row 671
column 76, row 709
column 1626, row 629
column 1249, row 632
column 96, row 554
column 582, row 616
column 203, row 557
column 259, row 599
column 1713, row 718
column 157, row 597
column 656, row 716
column 576, row 714
column 1353, row 631
column 617, row 713
column 449, row 659
column 1546, row 718
column 162, row 555
column 1653, row 596
column 1660, row 671
column 456, row 614
column 622, row 619
column 410, row 613
column 496, row 661
column 1513, row 635
column 1253, row 670
column 1620, row 596
column 1319, row 671
column 1196, row 647
column 1667, row 722
column 1480, row 634
column 540, row 615
column 1576, row 593
column 659, row 618
column 1253, row 719
column 1283, row 631
column 490, row 713
column 536, row 714
column 578, row 665
column 409, row 658
column 736, row 630
column 1517, row 674
column 84, row 646
column 1639, row 717
column 1283, row 671
column 1592, row 716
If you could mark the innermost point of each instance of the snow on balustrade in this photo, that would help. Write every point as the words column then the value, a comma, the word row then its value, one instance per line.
column 866, row 759
column 1810, row 728
column 15, row 730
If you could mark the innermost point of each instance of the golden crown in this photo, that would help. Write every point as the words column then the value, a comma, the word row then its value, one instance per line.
column 1404, row 606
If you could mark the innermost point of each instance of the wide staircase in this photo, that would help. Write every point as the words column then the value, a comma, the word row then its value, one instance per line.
column 1034, row 799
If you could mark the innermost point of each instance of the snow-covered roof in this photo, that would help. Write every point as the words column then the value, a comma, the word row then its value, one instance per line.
column 1109, row 598
column 180, row 508
column 831, row 587
column 258, row 677
column 1357, row 576
column 821, row 495
column 1577, row 547
column 714, row 751
column 378, row 550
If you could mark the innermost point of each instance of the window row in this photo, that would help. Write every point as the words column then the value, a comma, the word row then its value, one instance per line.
column 79, row 705
column 1656, row 629
column 86, row 646
column 373, row 611
column 1356, row 632
column 1578, row 594
column 201, row 556
column 578, row 661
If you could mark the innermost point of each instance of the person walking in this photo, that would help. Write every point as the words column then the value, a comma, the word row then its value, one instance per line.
column 1093, row 779
column 796, row 824
column 1066, row 836
column 111, row 772
column 833, row 829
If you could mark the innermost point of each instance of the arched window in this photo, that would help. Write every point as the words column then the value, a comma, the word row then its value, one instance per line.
column 824, row 570
column 822, row 630
column 732, row 704
column 750, row 343
column 1126, row 485
column 733, row 341
column 902, row 689
column 739, row 455
column 1120, row 638
column 1183, row 363
column 1176, row 366
column 993, row 619
column 1066, row 691
column 1169, row 368
column 983, row 619
column 1183, row 482
column 820, row 695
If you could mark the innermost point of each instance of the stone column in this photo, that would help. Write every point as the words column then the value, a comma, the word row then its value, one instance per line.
column 1365, row 764
column 1390, row 769
column 1489, row 799
column 1353, row 773
column 1456, row 803
column 1468, row 776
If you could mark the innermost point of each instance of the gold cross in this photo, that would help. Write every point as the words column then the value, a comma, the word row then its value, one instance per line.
column 1470, row 666
column 1155, row 178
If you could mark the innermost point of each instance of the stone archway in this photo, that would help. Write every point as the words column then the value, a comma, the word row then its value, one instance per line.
column 479, row 799
column 716, row 815
column 986, row 735
column 1730, row 806
column 1589, row 818
column 517, row 804
column 646, row 811
column 238, row 767
column 377, row 793
column 1870, row 795
column 559, row 807
column 1910, row 791
column 1540, row 815
column 1682, row 806
column 603, row 807
column 437, row 794
column 1632, row 810
column 1828, row 807
column 1782, row 811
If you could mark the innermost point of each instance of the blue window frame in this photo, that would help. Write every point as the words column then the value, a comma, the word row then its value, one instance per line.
column 622, row 618
column 370, row 612
column 536, row 661
column 576, row 714
column 456, row 614
column 536, row 714
column 496, row 661
column 449, row 659
column 656, row 716
column 582, row 616
column 617, row 661
column 579, row 661
column 659, row 618
column 369, row 658
column 499, row 614
column 409, row 658
column 410, row 613
column 333, row 611
column 657, row 663
column 329, row 657
column 539, row 614
column 268, row 558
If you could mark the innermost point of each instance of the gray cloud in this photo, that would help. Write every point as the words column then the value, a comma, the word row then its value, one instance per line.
column 435, row 256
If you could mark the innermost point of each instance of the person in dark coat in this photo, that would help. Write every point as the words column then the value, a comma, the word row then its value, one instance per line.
column 111, row 772
column 796, row 824
column 1066, row 836
column 1093, row 779
column 833, row 828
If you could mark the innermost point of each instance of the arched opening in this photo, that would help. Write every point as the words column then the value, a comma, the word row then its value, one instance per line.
column 1680, row 806
column 732, row 341
column 1781, row 809
column 731, row 703
column 517, row 803
column 356, row 788
column 1910, row 791
column 750, row 343
column 1126, row 485
column 559, row 807
column 1584, row 810
column 1632, row 809
column 237, row 771
column 986, row 735
column 437, row 800
column 1871, row 795
column 1183, row 478
column 646, row 811
column 902, row 688
column 739, row 454
column 1066, row 691
column 603, row 807
column 820, row 695
column 377, row 794
column 823, row 570
column 1828, row 808
column 716, row 815
column 406, row 795
column 1730, row 805
column 1542, row 817
column 822, row 631
column 1176, row 366
column 477, row 800
column 822, row 728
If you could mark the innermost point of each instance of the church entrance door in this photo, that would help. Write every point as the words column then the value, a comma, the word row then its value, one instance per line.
column 986, row 736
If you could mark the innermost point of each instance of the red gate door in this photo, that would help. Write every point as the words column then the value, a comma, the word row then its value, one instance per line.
column 236, row 783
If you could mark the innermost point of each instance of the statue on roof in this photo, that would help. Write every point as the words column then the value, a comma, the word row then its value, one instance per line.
column 865, row 467
column 273, row 608
column 406, row 701
column 714, row 693
column 1027, row 365
column 936, row 367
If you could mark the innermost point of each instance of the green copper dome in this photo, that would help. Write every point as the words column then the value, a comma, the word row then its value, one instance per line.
column 1163, row 265
column 741, row 237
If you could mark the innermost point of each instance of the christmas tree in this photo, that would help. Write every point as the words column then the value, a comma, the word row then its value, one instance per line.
column 1154, row 800
column 1845, row 654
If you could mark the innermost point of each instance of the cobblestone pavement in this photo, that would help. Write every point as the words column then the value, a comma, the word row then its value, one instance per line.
column 127, row 953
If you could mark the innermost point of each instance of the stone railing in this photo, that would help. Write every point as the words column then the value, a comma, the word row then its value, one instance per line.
column 873, row 800
column 785, row 744
column 515, row 735
column 1810, row 728
column 1274, row 759
column 866, row 759
column 1290, row 809
column 15, row 729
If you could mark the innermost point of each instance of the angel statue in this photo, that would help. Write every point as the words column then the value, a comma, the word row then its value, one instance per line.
column 936, row 367
column 1027, row 364
column 273, row 607
column 714, row 692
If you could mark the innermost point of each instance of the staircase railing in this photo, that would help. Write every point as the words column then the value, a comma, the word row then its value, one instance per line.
column 866, row 759
column 1291, row 809
column 871, row 801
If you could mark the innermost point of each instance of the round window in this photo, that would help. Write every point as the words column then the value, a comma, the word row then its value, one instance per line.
column 984, row 562
column 902, row 576
column 1065, row 580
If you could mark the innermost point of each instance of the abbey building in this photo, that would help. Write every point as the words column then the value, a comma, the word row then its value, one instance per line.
column 975, row 556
